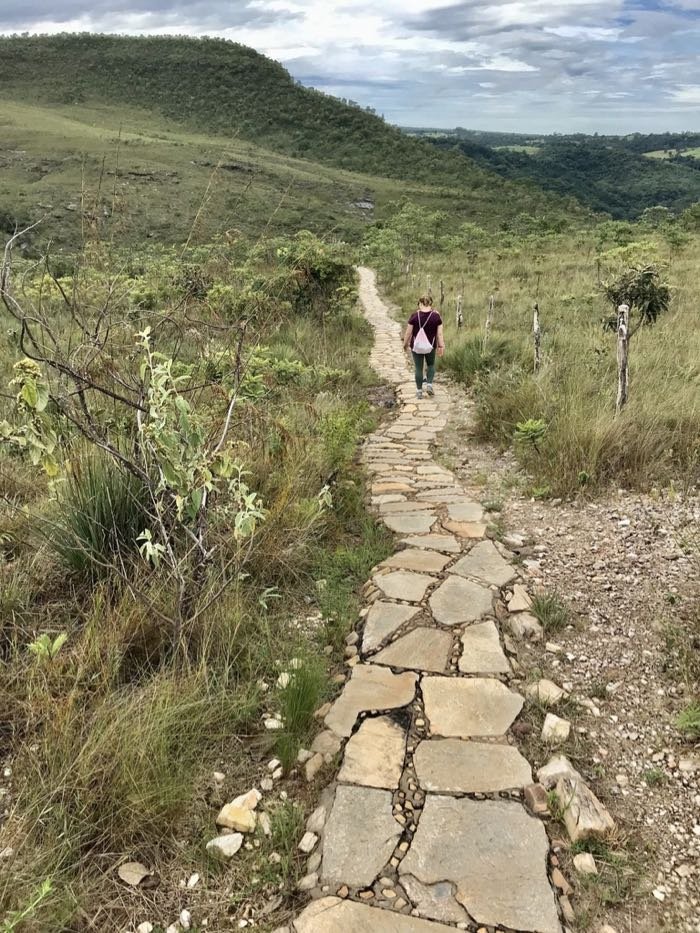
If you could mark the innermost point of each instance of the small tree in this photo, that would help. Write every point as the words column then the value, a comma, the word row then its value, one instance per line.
column 644, row 291
column 88, row 373
column 638, row 291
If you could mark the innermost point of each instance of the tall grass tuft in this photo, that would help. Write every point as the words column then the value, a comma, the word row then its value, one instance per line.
column 471, row 358
column 298, row 701
column 100, row 512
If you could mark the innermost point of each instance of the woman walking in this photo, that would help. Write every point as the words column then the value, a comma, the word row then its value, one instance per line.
column 424, row 335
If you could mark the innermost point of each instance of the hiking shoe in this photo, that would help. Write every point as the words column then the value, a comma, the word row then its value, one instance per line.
column 429, row 389
column 419, row 393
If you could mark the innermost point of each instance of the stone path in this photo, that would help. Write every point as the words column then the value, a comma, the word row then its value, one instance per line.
column 425, row 828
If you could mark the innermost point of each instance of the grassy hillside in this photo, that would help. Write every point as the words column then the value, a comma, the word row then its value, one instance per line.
column 163, row 112
column 146, row 177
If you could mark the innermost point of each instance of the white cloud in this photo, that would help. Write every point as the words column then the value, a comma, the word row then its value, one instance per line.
column 559, row 64
column 688, row 94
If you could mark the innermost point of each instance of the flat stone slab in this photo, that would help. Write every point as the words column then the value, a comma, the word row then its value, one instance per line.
column 370, row 687
column 397, row 508
column 383, row 620
column 332, row 915
column 469, row 531
column 379, row 489
column 495, row 854
column 374, row 756
column 444, row 494
column 465, row 511
column 482, row 652
column 459, row 708
column 453, row 766
column 417, row 559
column 520, row 601
column 447, row 543
column 436, row 901
column 403, row 584
column 423, row 649
column 458, row 600
column 360, row 836
column 411, row 523
column 484, row 563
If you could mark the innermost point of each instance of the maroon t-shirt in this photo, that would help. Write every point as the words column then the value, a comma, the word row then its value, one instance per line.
column 429, row 320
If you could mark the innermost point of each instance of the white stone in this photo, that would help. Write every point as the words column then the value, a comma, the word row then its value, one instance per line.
column 584, row 863
column 145, row 927
column 546, row 692
column 308, row 882
column 248, row 801
column 225, row 847
column 317, row 820
column 239, row 818
column 308, row 843
column 185, row 919
column 555, row 730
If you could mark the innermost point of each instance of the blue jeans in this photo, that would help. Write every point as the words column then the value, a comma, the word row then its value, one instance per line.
column 421, row 360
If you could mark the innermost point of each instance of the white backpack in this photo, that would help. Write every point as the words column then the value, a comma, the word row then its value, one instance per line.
column 421, row 344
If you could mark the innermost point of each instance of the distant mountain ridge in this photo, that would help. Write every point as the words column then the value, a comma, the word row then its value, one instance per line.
column 619, row 175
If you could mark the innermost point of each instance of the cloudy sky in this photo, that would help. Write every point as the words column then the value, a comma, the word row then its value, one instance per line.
column 527, row 65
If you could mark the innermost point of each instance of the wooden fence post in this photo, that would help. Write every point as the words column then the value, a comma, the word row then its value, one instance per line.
column 537, row 333
column 442, row 295
column 489, row 317
column 623, row 349
column 460, row 318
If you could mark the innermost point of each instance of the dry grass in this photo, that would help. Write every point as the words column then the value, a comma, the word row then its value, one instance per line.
column 656, row 440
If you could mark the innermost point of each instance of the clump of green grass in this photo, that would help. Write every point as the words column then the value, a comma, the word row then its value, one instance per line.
column 471, row 358
column 551, row 611
column 100, row 512
column 689, row 721
column 654, row 777
column 299, row 700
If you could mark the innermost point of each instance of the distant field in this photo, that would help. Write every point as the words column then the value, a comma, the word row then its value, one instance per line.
column 664, row 153
column 530, row 150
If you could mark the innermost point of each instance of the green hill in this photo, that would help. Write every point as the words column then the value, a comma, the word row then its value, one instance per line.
column 175, row 108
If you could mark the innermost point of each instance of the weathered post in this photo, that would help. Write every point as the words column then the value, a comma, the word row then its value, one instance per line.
column 623, row 348
column 442, row 295
column 489, row 317
column 537, row 334
column 460, row 318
